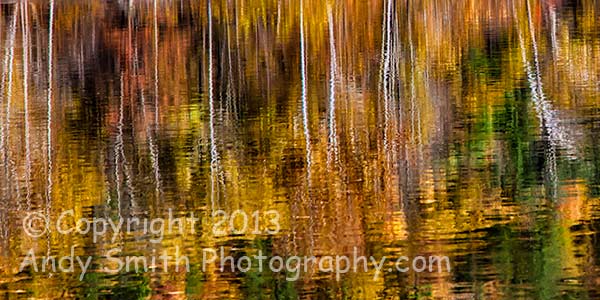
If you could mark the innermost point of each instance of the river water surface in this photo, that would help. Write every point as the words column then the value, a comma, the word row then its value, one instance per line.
column 467, row 128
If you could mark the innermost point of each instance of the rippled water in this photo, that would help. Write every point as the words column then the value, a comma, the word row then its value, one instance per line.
column 466, row 129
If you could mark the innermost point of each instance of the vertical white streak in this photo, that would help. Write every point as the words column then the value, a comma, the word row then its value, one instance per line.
column 4, row 143
column 214, row 155
column 304, row 92
column 25, row 40
column 9, row 94
column 153, row 147
column 156, row 96
column 119, row 145
column 332, row 80
column 383, row 47
column 49, row 117
column 49, row 107
column 396, row 52
column 386, row 72
column 547, row 115
column 543, row 109
column 306, row 123
column 549, row 120
column 126, row 168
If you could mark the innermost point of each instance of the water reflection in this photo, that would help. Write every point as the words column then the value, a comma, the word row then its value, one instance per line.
column 460, row 128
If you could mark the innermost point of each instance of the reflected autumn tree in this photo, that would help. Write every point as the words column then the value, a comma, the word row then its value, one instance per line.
column 397, row 127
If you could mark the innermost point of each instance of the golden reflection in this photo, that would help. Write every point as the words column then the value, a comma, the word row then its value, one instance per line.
column 463, row 128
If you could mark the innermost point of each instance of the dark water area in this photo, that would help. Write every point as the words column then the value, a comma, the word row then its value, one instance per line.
column 467, row 129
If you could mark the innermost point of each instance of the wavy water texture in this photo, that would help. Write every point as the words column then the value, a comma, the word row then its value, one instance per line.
column 464, row 128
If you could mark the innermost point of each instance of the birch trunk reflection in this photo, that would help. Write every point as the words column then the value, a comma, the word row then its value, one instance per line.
column 433, row 136
column 214, row 154
column 6, row 91
column 332, row 137
column 26, row 67
column 49, row 145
